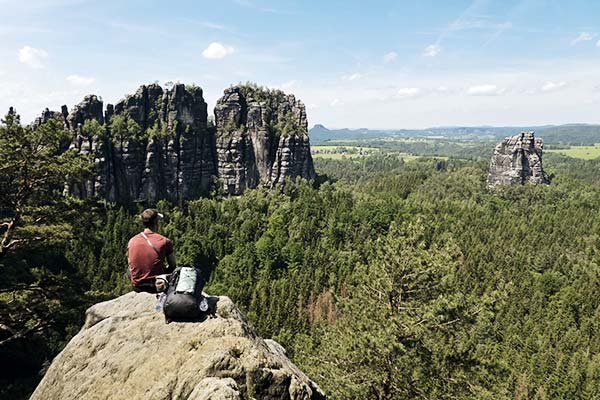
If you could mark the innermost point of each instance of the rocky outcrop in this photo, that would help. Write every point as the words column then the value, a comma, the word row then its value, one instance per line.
column 156, row 143
column 153, row 144
column 262, row 138
column 517, row 160
column 47, row 115
column 126, row 351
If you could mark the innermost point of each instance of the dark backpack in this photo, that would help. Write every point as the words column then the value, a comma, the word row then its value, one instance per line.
column 184, row 295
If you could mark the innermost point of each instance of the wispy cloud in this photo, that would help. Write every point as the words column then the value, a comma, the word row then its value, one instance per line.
column 553, row 86
column 598, row 43
column 352, row 77
column 213, row 25
column 390, row 57
column 407, row 93
column 253, row 5
column 432, row 50
column 473, row 17
column 32, row 57
column 336, row 103
column 217, row 50
column 485, row 90
column 135, row 28
column 245, row 3
column 500, row 29
column 583, row 37
column 289, row 85
column 81, row 81
column 8, row 29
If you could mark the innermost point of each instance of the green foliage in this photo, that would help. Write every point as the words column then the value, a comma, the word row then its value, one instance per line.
column 33, row 169
column 92, row 128
column 158, row 132
column 403, row 325
column 389, row 279
column 123, row 128
column 261, row 93
column 41, row 304
column 284, row 126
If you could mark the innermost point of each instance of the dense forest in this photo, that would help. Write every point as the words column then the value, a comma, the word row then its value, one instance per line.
column 384, row 279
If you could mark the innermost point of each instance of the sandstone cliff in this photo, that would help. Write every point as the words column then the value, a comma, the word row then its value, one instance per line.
column 262, row 138
column 153, row 144
column 126, row 351
column 156, row 144
column 517, row 160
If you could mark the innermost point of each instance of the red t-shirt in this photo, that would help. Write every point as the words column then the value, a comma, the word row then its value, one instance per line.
column 144, row 262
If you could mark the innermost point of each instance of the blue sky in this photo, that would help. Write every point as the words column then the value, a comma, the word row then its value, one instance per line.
column 378, row 64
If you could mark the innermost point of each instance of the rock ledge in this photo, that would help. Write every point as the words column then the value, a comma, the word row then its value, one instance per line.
column 126, row 351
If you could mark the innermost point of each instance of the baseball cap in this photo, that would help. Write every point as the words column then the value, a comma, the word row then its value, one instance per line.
column 150, row 215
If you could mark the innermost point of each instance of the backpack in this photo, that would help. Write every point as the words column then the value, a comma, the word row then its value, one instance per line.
column 184, row 295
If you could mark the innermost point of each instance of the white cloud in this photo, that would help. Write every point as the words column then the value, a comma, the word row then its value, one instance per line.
column 352, row 77
column 289, row 84
column 312, row 106
column 484, row 90
column 442, row 89
column 336, row 103
column 552, row 86
column 390, row 57
column 216, row 50
column 583, row 37
column 406, row 93
column 77, row 80
column 432, row 50
column 32, row 57
column 212, row 25
column 598, row 43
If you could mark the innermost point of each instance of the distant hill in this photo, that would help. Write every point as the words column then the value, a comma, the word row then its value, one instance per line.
column 574, row 134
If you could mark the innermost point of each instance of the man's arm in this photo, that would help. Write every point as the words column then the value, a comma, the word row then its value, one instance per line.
column 171, row 262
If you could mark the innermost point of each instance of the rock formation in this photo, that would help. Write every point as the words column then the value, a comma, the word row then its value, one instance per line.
column 48, row 115
column 153, row 144
column 517, row 160
column 126, row 351
column 262, row 138
column 156, row 143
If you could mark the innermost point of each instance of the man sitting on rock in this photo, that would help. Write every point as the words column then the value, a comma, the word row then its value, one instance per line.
column 146, row 254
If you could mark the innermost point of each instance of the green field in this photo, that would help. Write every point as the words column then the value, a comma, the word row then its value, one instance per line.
column 337, row 148
column 584, row 152
column 351, row 152
column 339, row 152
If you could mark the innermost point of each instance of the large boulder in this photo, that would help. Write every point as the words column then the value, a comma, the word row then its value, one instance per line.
column 517, row 160
column 126, row 351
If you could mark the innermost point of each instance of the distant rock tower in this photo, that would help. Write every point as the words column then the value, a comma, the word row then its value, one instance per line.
column 262, row 139
column 517, row 160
